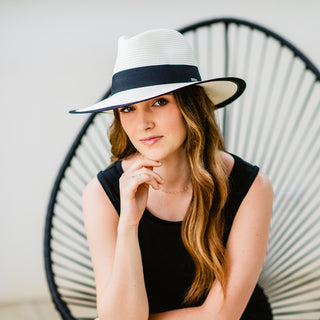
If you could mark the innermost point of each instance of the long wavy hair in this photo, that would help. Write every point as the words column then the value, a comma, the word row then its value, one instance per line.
column 203, row 225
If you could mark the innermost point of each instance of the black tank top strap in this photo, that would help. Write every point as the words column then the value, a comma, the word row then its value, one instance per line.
column 109, row 180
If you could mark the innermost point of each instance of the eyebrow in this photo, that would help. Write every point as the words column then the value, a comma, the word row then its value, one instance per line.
column 151, row 99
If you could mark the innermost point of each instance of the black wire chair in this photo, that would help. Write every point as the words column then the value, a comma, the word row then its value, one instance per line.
column 275, row 125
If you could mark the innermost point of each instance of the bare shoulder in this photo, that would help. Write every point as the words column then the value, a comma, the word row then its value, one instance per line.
column 262, row 185
column 93, row 192
column 260, row 195
column 93, row 189
column 259, row 199
column 228, row 161
column 96, row 203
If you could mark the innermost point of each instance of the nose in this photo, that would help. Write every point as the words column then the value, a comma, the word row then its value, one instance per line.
column 145, row 120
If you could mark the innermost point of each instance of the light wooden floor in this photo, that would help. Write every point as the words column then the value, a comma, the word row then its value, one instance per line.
column 29, row 311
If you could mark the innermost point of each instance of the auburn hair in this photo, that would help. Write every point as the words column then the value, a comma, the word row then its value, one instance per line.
column 203, row 225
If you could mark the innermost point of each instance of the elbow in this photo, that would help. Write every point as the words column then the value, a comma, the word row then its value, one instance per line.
column 121, row 310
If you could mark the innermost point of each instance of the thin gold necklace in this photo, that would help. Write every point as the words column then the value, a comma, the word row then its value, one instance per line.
column 175, row 192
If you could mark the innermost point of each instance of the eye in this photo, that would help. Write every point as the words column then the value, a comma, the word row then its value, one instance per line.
column 161, row 102
column 126, row 109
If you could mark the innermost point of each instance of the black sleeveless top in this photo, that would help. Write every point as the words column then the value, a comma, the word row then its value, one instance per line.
column 168, row 267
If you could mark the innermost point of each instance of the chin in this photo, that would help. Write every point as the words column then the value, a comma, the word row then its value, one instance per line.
column 155, row 156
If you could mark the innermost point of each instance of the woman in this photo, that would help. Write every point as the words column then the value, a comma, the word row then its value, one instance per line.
column 177, row 227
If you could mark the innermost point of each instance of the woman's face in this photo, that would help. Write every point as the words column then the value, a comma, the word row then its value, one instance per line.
column 155, row 127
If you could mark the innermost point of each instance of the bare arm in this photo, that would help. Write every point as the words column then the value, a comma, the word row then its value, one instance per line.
column 114, row 244
column 245, row 253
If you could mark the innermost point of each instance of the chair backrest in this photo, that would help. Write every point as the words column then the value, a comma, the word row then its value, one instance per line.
column 275, row 125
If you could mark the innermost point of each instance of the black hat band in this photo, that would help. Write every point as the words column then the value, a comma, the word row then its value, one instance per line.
column 153, row 75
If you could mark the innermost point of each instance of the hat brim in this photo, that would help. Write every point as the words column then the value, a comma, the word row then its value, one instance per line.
column 221, row 91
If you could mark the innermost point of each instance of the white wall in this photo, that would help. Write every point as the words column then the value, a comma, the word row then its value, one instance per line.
column 55, row 55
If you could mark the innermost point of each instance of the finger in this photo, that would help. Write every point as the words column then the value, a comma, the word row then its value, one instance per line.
column 143, row 162
column 143, row 178
column 146, row 178
column 128, row 174
column 150, row 172
column 153, row 183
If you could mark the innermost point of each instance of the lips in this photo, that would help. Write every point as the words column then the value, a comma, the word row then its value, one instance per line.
column 150, row 140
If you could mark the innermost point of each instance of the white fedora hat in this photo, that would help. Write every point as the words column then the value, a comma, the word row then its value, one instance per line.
column 154, row 63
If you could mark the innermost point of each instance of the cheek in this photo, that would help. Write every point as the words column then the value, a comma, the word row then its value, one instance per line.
column 177, row 122
column 127, row 128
